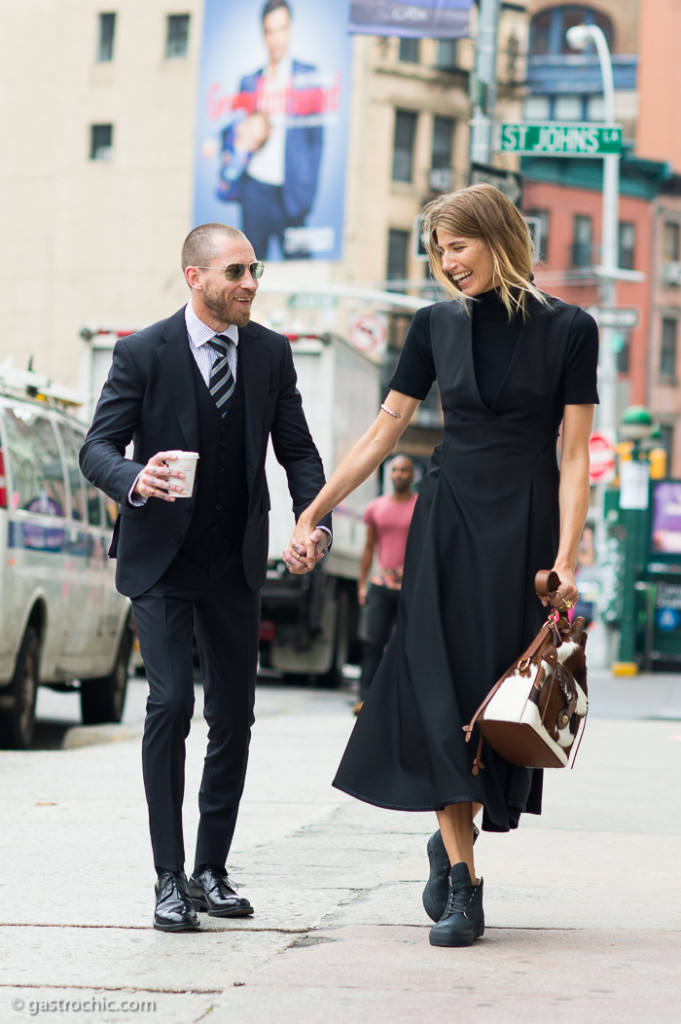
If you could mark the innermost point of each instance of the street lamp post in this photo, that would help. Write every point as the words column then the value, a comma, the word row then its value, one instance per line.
column 578, row 37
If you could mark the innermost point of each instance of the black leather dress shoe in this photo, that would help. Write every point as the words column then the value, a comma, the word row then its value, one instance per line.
column 174, row 909
column 436, row 892
column 212, row 890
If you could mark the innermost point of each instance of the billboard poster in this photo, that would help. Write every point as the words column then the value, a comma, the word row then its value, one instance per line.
column 666, row 518
column 272, row 124
column 437, row 19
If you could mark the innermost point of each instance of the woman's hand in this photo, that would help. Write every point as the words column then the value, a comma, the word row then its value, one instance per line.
column 567, row 589
column 305, row 549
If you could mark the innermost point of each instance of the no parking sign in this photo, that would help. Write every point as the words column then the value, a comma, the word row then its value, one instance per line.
column 601, row 459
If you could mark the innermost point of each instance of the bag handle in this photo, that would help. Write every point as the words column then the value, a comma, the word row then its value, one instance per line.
column 546, row 583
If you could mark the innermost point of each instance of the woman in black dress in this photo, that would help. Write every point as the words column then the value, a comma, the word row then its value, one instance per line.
column 515, row 368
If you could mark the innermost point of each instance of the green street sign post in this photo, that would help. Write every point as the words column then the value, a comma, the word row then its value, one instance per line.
column 554, row 138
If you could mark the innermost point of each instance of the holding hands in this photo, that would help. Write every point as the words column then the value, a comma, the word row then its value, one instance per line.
column 305, row 549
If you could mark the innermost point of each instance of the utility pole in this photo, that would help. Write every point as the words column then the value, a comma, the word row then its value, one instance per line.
column 484, row 85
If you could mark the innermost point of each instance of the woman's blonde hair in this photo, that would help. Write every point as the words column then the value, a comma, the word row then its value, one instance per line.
column 482, row 211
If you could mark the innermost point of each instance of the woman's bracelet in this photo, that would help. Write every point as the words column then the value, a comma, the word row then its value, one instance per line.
column 397, row 415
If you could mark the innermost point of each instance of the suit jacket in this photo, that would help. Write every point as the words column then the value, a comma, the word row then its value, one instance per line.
column 303, row 140
column 149, row 398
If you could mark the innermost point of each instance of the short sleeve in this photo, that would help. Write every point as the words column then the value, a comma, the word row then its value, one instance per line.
column 369, row 518
column 415, row 370
column 581, row 366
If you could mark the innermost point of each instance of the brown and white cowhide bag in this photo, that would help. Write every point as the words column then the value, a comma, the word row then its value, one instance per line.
column 535, row 714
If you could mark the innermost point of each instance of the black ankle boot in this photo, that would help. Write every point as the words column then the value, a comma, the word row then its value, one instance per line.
column 437, row 887
column 463, row 920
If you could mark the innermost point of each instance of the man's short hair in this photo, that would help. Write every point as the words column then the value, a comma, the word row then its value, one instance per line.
column 204, row 243
column 273, row 5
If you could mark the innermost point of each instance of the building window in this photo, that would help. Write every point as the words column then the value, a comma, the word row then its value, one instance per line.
column 441, row 170
column 537, row 108
column 668, row 348
column 403, row 151
column 670, row 242
column 398, row 253
column 443, row 140
column 177, row 35
column 105, row 37
column 667, row 431
column 548, row 28
column 582, row 241
column 410, row 51
column 622, row 353
column 568, row 108
column 538, row 223
column 447, row 55
column 101, row 141
column 627, row 241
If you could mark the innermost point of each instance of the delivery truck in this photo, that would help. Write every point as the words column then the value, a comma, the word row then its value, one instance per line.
column 309, row 623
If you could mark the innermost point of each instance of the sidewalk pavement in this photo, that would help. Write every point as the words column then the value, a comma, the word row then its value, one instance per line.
column 582, row 904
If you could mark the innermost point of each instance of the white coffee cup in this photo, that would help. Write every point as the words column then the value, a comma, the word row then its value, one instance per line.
column 186, row 462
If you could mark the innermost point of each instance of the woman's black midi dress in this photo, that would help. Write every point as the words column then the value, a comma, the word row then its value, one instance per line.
column 486, row 520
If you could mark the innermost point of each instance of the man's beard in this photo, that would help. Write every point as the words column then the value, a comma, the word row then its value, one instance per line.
column 222, row 308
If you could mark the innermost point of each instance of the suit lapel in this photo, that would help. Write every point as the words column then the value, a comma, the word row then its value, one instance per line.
column 176, row 365
column 254, row 365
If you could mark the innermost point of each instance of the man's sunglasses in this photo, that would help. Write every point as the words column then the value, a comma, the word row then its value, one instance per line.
column 235, row 271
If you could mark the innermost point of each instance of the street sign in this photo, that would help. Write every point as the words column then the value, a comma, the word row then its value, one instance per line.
column 368, row 332
column 555, row 138
column 618, row 319
column 307, row 300
column 508, row 182
column 601, row 459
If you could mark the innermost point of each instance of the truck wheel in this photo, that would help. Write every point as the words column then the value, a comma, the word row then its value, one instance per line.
column 341, row 644
column 103, row 699
column 18, row 724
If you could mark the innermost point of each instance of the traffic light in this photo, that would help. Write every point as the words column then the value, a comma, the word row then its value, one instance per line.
column 657, row 458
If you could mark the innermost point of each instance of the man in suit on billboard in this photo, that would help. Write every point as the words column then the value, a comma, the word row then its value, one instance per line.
column 278, row 188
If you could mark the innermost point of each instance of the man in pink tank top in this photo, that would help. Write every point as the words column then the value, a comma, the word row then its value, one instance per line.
column 387, row 520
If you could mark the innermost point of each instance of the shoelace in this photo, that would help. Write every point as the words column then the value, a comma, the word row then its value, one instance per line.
column 460, row 900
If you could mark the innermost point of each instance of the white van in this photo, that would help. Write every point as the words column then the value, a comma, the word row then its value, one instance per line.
column 62, row 622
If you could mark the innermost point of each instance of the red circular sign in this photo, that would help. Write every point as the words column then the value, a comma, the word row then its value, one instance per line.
column 601, row 459
column 369, row 332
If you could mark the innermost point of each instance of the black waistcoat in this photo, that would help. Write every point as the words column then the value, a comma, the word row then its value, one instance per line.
column 221, row 490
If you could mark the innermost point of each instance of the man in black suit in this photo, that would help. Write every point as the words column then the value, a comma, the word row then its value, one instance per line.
column 206, row 380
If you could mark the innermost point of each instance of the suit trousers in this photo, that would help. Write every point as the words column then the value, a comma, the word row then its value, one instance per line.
column 212, row 603
column 264, row 216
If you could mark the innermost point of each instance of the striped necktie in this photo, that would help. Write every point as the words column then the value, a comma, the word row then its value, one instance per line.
column 221, row 383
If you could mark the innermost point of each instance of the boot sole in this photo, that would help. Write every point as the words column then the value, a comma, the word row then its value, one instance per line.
column 456, row 941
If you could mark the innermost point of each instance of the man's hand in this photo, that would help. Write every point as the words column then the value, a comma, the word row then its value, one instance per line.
column 156, row 479
column 302, row 554
column 362, row 593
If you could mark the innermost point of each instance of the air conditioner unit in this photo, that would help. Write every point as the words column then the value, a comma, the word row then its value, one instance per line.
column 671, row 274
